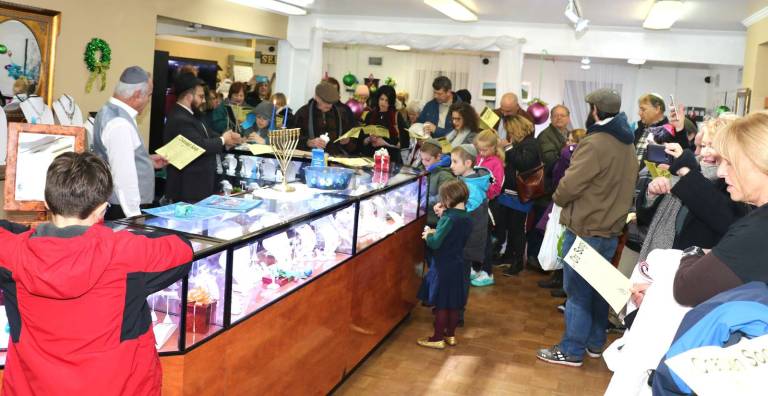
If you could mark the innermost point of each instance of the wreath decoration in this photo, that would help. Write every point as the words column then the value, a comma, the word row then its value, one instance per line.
column 97, row 67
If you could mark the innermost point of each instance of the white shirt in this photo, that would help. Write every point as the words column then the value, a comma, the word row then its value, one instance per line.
column 121, row 140
column 443, row 114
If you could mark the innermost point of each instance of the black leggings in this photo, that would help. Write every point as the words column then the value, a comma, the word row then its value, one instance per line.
column 513, row 232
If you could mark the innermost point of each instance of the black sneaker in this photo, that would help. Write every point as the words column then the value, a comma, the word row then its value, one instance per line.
column 593, row 353
column 561, row 308
column 551, row 283
column 555, row 356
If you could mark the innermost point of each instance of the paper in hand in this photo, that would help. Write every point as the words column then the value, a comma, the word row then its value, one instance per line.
column 488, row 118
column 180, row 151
column 599, row 273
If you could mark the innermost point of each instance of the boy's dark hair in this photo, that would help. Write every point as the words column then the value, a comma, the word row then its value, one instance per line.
column 463, row 154
column 442, row 83
column 453, row 192
column 76, row 184
column 468, row 115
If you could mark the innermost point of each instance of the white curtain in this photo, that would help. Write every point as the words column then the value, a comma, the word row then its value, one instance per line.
column 573, row 98
column 509, row 48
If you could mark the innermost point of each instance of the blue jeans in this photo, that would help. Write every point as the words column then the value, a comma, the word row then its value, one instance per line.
column 586, row 312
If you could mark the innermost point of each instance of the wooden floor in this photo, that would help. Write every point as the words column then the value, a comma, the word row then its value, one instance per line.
column 505, row 325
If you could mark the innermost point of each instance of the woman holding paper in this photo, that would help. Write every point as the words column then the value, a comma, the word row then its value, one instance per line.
column 465, row 124
column 385, row 114
column 740, row 256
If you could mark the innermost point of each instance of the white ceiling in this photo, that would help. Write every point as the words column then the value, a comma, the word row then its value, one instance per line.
column 700, row 14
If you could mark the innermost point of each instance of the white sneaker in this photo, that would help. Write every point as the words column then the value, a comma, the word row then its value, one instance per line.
column 474, row 274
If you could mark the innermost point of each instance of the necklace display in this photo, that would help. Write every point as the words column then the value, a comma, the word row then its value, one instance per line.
column 35, row 113
column 67, row 111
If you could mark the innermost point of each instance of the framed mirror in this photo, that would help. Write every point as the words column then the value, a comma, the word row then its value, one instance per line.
column 31, row 149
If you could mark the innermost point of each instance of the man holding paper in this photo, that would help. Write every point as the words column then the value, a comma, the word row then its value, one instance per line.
column 116, row 140
column 595, row 194
column 196, row 180
column 508, row 107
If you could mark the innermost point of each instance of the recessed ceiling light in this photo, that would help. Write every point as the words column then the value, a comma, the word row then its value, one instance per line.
column 585, row 61
column 272, row 5
column 586, row 67
column 399, row 47
column 663, row 14
column 635, row 61
column 453, row 9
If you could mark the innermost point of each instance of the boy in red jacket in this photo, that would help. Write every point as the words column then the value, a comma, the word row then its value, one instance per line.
column 75, row 292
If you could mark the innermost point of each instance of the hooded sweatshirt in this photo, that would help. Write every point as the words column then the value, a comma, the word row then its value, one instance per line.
column 76, row 304
column 596, row 191
column 439, row 173
column 477, row 207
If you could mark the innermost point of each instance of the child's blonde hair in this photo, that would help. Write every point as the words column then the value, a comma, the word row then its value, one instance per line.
column 489, row 138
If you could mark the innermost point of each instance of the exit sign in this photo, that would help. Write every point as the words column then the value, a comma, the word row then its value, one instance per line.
column 268, row 59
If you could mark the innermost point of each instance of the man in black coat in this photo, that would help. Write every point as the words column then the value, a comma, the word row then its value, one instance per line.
column 197, row 180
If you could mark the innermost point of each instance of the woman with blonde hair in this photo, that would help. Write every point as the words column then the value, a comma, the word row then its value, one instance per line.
column 740, row 256
column 523, row 156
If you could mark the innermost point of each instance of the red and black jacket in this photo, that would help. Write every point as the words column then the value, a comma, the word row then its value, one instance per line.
column 76, row 304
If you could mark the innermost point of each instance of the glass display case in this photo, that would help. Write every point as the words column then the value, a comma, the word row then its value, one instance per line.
column 246, row 261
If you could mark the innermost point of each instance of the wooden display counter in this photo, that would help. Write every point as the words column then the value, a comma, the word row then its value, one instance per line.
column 309, row 341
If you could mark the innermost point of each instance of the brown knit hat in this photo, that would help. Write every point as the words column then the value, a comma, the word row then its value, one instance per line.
column 327, row 92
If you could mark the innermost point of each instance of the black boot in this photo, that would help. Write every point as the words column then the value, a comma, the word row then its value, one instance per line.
column 554, row 282
column 514, row 268
column 534, row 265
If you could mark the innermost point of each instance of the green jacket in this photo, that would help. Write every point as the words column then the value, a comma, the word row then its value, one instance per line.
column 436, row 178
column 551, row 141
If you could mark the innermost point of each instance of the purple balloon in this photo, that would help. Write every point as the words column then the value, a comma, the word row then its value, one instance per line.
column 356, row 107
column 539, row 112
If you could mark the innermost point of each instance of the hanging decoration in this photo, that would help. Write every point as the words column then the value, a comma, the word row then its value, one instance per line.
column 3, row 49
column 349, row 79
column 721, row 109
column 356, row 107
column 390, row 81
column 97, row 67
column 538, row 109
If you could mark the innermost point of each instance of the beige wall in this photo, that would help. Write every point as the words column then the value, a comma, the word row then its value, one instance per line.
column 756, row 62
column 202, row 51
column 129, row 28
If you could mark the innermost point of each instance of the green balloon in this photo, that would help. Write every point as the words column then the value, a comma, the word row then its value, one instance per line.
column 349, row 80
column 3, row 49
column 722, row 109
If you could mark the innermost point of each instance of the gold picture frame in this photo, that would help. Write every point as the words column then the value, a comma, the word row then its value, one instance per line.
column 43, row 26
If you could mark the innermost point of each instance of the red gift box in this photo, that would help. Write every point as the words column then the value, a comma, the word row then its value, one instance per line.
column 200, row 316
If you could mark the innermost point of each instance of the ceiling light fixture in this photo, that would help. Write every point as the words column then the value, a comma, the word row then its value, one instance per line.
column 399, row 47
column 663, row 14
column 586, row 67
column 573, row 14
column 453, row 9
column 636, row 61
column 272, row 5
column 585, row 61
